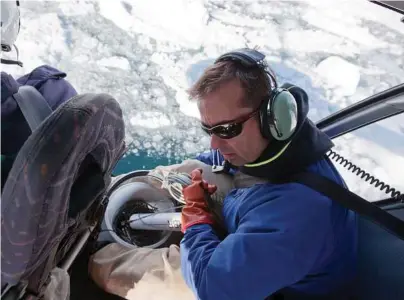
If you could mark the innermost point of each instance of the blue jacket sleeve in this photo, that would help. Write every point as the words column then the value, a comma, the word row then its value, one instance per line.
column 214, row 157
column 275, row 245
column 51, row 83
column 210, row 157
column 8, row 87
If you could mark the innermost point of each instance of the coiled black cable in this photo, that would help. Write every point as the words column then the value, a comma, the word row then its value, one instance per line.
column 365, row 175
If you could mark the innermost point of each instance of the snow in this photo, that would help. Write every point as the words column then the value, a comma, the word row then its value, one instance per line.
column 339, row 74
column 329, row 19
column 115, row 62
column 159, row 19
column 150, row 119
column 148, row 53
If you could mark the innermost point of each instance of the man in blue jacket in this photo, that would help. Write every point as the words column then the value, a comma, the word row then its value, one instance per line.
column 47, row 80
column 284, row 240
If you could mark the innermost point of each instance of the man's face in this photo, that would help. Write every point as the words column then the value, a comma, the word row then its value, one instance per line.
column 224, row 105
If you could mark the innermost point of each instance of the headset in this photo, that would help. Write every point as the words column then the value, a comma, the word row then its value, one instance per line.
column 8, row 48
column 278, row 113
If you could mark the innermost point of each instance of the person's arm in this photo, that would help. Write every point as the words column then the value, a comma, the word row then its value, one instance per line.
column 276, row 244
column 8, row 87
column 51, row 83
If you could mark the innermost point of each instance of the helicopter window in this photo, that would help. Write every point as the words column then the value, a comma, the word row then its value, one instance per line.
column 378, row 150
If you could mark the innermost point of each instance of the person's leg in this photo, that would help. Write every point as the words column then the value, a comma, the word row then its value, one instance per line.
column 118, row 269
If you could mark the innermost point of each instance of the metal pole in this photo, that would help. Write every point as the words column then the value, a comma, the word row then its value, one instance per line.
column 74, row 252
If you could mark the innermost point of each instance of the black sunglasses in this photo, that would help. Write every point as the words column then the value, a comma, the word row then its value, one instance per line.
column 228, row 130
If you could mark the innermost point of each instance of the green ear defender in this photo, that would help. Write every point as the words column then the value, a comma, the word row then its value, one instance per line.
column 278, row 112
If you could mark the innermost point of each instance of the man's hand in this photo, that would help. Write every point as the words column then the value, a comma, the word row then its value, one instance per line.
column 196, row 209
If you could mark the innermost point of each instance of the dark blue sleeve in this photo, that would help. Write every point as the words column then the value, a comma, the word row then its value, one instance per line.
column 211, row 157
column 51, row 83
column 206, row 157
column 8, row 87
column 57, row 91
column 276, row 243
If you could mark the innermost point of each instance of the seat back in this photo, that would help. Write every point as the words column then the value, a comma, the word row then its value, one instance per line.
column 35, row 109
column 56, row 185
column 32, row 105
column 381, row 260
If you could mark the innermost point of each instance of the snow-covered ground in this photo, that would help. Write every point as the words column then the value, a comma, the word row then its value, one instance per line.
column 146, row 53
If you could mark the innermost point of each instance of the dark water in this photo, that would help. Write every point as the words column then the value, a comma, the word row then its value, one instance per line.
column 143, row 161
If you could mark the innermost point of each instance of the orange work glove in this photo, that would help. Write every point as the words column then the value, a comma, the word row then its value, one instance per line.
column 196, row 209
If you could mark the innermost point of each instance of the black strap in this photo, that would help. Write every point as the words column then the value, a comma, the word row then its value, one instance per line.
column 11, row 62
column 33, row 105
column 351, row 201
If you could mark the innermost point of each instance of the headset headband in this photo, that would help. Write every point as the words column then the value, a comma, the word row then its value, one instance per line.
column 249, row 58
